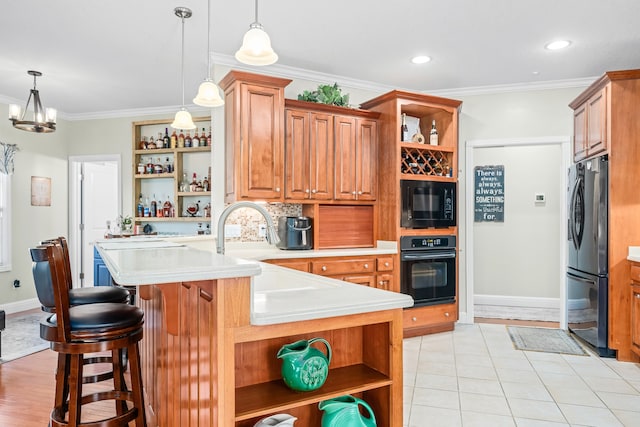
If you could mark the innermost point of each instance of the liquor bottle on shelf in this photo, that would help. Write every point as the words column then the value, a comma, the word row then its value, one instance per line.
column 149, row 168
column 174, row 139
column 166, row 140
column 151, row 145
column 203, row 139
column 181, row 139
column 404, row 130
column 157, row 166
column 141, row 167
column 140, row 207
column 194, row 183
column 147, row 211
column 195, row 141
column 184, row 184
column 207, row 210
column 209, row 138
column 418, row 136
column 187, row 140
column 433, row 134
column 160, row 141
column 143, row 143
column 167, row 208
column 205, row 184
column 168, row 166
column 153, row 209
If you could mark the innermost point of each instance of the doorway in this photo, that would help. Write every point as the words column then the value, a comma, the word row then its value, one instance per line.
column 94, row 199
column 502, row 253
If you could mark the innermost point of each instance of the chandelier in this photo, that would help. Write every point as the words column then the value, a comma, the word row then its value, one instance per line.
column 44, row 120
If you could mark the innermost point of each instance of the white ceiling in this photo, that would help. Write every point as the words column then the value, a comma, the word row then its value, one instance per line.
column 102, row 56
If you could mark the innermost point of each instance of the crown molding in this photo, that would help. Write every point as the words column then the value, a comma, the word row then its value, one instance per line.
column 301, row 73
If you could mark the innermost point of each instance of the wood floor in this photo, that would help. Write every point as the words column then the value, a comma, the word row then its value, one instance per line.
column 27, row 388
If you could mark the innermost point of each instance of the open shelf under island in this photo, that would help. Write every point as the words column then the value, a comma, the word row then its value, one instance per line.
column 214, row 323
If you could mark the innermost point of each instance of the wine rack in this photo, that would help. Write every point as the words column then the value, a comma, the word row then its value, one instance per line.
column 425, row 161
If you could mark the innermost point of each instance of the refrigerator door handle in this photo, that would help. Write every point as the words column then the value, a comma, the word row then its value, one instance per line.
column 574, row 233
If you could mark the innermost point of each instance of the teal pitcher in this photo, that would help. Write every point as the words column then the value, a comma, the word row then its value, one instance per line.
column 305, row 368
column 344, row 411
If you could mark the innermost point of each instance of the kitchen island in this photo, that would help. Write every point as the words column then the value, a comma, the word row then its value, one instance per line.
column 214, row 324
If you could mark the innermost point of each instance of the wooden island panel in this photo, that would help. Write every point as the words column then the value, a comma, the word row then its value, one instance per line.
column 204, row 364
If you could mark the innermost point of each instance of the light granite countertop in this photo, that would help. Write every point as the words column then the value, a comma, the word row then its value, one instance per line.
column 279, row 295
column 634, row 253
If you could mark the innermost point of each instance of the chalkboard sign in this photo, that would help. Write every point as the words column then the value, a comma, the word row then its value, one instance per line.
column 489, row 193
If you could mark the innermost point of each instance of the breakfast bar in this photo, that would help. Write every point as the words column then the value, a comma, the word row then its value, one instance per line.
column 214, row 324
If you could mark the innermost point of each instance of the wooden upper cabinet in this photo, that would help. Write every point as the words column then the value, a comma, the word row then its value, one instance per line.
column 356, row 159
column 597, row 123
column 254, row 134
column 308, row 156
column 590, row 123
column 580, row 133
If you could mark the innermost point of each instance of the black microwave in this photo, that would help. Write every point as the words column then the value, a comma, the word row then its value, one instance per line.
column 428, row 204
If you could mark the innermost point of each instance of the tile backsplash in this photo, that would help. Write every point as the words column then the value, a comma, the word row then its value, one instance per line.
column 249, row 219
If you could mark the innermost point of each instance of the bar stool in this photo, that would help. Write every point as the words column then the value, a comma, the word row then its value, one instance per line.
column 77, row 296
column 90, row 328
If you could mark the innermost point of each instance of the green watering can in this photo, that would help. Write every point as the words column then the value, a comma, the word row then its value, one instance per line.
column 305, row 368
column 344, row 411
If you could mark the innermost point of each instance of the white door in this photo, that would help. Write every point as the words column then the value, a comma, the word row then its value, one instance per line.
column 95, row 199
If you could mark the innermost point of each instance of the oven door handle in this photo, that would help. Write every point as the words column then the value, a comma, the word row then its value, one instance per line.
column 407, row 257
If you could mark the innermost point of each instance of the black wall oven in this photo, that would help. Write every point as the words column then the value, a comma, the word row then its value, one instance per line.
column 428, row 269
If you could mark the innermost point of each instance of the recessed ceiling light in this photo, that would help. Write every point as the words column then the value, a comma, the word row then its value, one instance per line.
column 420, row 59
column 558, row 44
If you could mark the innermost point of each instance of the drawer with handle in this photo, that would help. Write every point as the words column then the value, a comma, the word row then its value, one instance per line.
column 343, row 266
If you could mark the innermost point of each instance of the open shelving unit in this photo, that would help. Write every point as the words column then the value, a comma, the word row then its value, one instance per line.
column 167, row 185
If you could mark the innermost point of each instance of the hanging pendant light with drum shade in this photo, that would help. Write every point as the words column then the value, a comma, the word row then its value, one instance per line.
column 256, row 46
column 208, row 92
column 183, row 118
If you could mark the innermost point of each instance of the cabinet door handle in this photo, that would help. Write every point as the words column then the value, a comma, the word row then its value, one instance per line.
column 446, row 315
column 637, row 296
column 415, row 319
column 386, row 264
column 353, row 192
column 324, row 268
column 314, row 191
column 306, row 191
column 360, row 192
column 366, row 266
column 381, row 282
column 277, row 189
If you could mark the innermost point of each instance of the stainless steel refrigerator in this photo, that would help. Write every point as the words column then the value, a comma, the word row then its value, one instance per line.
column 588, row 267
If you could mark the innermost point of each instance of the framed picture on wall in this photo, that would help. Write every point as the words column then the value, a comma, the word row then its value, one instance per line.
column 40, row 191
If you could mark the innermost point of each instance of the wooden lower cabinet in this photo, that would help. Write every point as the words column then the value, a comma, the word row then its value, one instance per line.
column 429, row 319
column 204, row 364
column 635, row 308
column 373, row 271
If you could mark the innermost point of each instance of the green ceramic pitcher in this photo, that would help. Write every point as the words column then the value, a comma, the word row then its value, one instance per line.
column 305, row 368
column 344, row 411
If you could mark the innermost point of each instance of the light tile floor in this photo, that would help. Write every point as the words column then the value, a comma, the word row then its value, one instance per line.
column 473, row 376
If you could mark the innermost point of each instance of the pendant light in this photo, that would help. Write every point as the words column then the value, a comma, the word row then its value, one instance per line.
column 183, row 118
column 39, row 124
column 256, row 46
column 208, row 92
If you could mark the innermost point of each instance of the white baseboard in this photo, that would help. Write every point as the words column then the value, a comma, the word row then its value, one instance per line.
column 510, row 301
column 18, row 306
column 463, row 317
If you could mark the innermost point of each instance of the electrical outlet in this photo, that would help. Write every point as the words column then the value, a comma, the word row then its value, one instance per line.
column 16, row 283
column 262, row 230
column 232, row 230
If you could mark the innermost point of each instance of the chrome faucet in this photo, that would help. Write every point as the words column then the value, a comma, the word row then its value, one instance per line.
column 272, row 234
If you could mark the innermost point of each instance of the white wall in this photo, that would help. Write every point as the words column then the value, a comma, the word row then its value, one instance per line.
column 523, row 114
column 42, row 155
